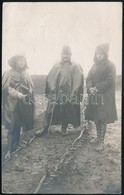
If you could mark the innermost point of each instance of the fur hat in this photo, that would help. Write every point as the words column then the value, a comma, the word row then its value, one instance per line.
column 66, row 49
column 13, row 61
column 103, row 48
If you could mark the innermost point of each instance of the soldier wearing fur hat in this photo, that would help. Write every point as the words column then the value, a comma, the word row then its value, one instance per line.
column 17, row 106
column 100, row 83
column 64, row 85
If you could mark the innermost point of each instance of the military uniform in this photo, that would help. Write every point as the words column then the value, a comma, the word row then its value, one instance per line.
column 64, row 85
column 16, row 112
column 102, row 107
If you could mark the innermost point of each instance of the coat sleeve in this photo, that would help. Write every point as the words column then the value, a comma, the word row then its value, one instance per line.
column 51, row 79
column 109, row 80
column 13, row 92
column 6, row 85
column 77, row 79
column 30, row 82
column 5, row 80
column 89, row 80
column 77, row 83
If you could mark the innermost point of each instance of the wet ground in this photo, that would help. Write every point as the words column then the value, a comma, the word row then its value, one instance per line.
column 84, row 171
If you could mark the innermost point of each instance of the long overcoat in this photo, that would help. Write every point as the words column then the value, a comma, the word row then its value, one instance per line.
column 12, row 106
column 64, row 86
column 102, row 76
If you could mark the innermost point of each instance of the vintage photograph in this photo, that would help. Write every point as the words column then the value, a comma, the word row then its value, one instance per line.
column 61, row 97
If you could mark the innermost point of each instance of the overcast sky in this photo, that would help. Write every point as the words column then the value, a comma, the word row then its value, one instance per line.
column 39, row 30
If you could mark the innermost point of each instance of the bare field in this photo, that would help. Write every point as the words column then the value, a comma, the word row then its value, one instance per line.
column 84, row 171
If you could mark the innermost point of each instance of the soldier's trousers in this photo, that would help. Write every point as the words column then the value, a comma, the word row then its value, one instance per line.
column 14, row 132
column 101, row 130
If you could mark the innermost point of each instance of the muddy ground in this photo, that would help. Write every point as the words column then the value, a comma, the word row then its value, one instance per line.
column 84, row 170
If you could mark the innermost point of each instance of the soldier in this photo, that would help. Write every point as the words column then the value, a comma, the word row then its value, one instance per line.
column 64, row 85
column 101, row 89
column 18, row 108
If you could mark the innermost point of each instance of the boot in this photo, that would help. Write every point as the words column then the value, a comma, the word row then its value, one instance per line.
column 16, row 137
column 41, row 132
column 96, row 140
column 63, row 129
column 8, row 155
column 10, row 142
column 100, row 145
column 87, row 132
column 10, row 145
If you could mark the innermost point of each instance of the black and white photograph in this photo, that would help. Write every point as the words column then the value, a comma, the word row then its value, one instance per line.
column 61, row 97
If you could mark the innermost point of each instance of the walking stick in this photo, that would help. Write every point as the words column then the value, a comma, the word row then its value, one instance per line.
column 53, row 111
column 51, row 118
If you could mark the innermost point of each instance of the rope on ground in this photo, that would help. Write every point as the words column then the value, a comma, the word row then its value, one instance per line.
column 40, row 183
column 70, row 147
column 12, row 154
column 19, row 149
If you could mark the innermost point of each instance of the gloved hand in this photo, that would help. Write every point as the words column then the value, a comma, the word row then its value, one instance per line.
column 21, row 96
column 73, row 100
column 93, row 90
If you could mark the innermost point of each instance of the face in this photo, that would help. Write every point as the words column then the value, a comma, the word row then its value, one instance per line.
column 21, row 62
column 66, row 56
column 100, row 56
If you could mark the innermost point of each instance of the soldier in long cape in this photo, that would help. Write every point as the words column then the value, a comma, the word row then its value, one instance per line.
column 17, row 101
column 64, row 89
